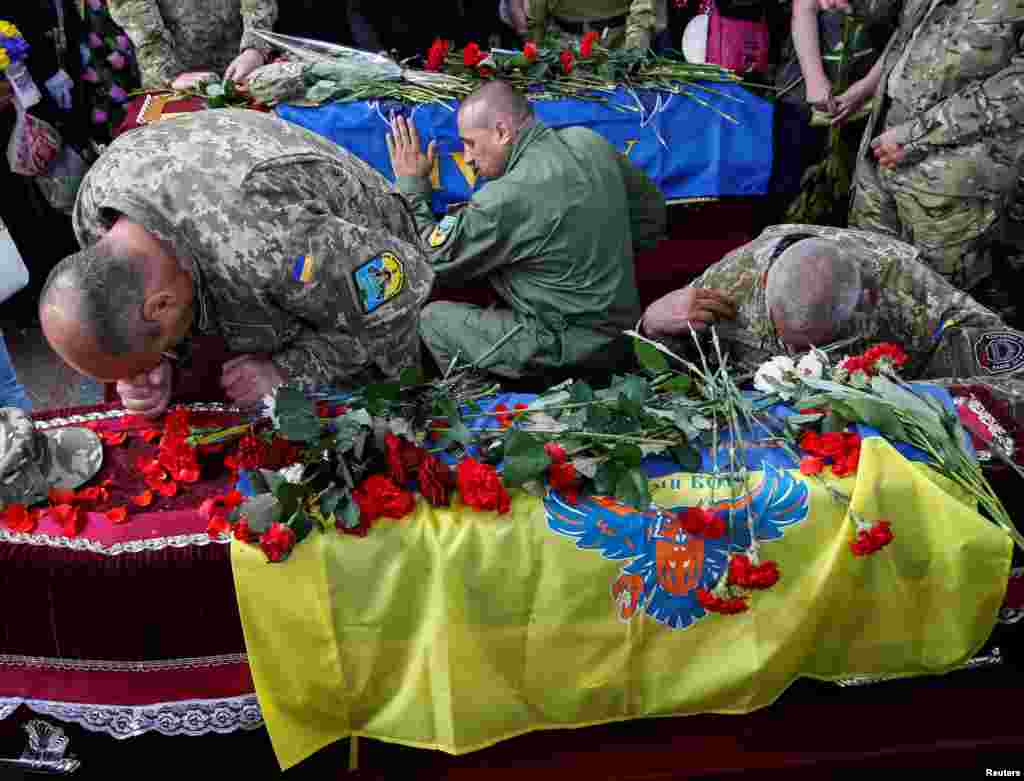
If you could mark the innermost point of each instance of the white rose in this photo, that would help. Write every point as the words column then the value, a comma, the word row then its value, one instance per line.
column 811, row 366
column 772, row 375
column 293, row 473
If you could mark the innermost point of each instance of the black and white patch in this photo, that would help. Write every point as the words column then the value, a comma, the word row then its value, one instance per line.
column 1000, row 352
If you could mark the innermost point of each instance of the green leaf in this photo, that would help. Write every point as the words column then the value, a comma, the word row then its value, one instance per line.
column 332, row 499
column 650, row 357
column 525, row 458
column 349, row 428
column 411, row 375
column 349, row 513
column 628, row 455
column 633, row 489
column 874, row 413
column 581, row 393
column 458, row 432
column 290, row 496
column 379, row 393
column 538, row 71
column 607, row 477
column 681, row 383
column 301, row 524
column 687, row 456
column 634, row 387
column 296, row 416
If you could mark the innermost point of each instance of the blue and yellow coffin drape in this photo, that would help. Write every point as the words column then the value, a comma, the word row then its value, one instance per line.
column 716, row 143
column 453, row 629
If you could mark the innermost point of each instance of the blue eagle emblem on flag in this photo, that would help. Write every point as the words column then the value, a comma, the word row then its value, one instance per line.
column 666, row 564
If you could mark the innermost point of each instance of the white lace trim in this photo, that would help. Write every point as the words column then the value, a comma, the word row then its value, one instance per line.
column 118, row 548
column 90, row 417
column 104, row 665
column 187, row 717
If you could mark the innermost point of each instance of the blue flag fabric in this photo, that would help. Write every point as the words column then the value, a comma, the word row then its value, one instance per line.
column 689, row 149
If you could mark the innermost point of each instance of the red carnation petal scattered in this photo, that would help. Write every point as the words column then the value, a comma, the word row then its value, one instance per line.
column 117, row 514
column 233, row 498
column 188, row 475
column 18, row 519
column 217, row 526
column 114, row 437
column 69, row 517
column 150, row 435
column 145, row 499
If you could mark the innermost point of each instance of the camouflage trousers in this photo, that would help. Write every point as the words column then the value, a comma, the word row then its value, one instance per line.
column 449, row 329
column 955, row 235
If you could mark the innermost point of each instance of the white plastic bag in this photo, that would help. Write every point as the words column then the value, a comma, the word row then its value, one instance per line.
column 13, row 273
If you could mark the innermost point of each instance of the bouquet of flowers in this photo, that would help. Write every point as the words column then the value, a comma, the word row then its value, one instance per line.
column 543, row 70
column 13, row 47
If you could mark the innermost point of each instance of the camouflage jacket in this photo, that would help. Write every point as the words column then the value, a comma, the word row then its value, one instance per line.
column 298, row 249
column 953, row 76
column 172, row 37
column 641, row 17
column 555, row 253
column 944, row 331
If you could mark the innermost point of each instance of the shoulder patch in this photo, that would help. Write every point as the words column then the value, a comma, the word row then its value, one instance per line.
column 442, row 231
column 1000, row 352
column 378, row 280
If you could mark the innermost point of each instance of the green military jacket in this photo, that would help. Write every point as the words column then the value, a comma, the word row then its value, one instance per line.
column 953, row 86
column 944, row 331
column 175, row 36
column 641, row 17
column 298, row 249
column 554, row 236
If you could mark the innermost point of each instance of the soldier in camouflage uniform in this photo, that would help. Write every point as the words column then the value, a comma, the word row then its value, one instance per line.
column 944, row 332
column 175, row 37
column 630, row 23
column 940, row 157
column 553, row 231
column 245, row 226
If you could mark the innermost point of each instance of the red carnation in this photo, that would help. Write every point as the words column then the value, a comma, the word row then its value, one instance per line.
column 437, row 54
column 563, row 478
column 739, row 570
column 218, row 525
column 885, row 355
column 471, row 55
column 530, row 51
column 812, row 465
column 872, row 539
column 277, row 542
column 481, row 488
column 243, row 531
column 587, row 44
column 567, row 61
column 714, row 527
column 19, row 520
column 70, row 517
column 555, row 452
column 714, row 604
column 378, row 496
column 435, row 481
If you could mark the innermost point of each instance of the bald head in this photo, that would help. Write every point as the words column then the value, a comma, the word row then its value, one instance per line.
column 493, row 102
column 812, row 292
column 112, row 308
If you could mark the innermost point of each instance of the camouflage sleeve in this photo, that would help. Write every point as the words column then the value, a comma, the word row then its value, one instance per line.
column 640, row 24
column 467, row 245
column 536, row 20
column 981, row 109
column 154, row 45
column 938, row 324
column 736, row 275
column 260, row 15
column 647, row 212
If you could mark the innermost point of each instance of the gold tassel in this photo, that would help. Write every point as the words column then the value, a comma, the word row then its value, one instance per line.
column 353, row 754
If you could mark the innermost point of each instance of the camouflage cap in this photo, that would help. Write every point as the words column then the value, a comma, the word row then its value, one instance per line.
column 32, row 462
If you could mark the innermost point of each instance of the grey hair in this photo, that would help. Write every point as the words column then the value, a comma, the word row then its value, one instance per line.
column 813, row 286
column 108, row 289
column 495, row 100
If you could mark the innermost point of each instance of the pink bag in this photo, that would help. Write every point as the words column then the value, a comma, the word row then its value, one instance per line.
column 738, row 44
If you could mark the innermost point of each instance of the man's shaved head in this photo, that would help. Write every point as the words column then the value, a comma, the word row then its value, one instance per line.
column 490, row 121
column 495, row 101
column 812, row 291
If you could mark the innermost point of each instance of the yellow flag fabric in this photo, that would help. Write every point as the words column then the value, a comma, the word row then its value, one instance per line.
column 453, row 629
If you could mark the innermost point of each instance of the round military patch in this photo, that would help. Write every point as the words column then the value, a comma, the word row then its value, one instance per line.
column 1000, row 352
column 378, row 280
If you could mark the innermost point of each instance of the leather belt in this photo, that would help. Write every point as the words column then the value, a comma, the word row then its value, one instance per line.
column 596, row 25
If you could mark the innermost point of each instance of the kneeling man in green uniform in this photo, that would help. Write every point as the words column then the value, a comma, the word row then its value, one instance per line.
column 554, row 232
